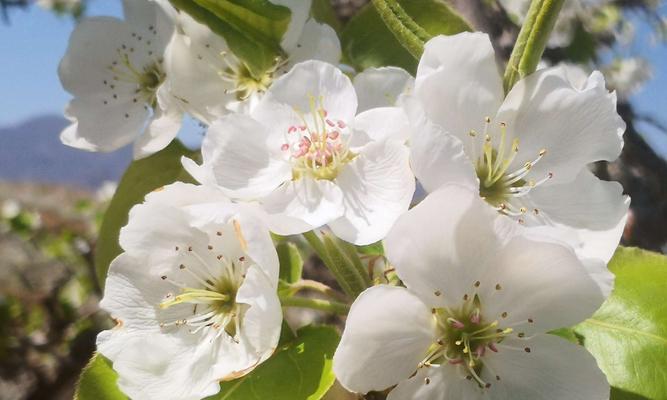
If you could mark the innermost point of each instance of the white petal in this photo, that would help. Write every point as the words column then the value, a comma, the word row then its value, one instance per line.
column 262, row 321
column 458, row 82
column 441, row 246
column 437, row 157
column 91, row 50
column 159, row 133
column 313, row 202
column 317, row 42
column 156, row 367
column 377, row 188
column 444, row 383
column 142, row 15
column 300, row 10
column 192, row 77
column 378, row 124
column 554, row 369
column 575, row 126
column 381, row 87
column 585, row 202
column 309, row 81
column 103, row 127
column 130, row 296
column 243, row 163
column 542, row 286
column 259, row 245
column 387, row 334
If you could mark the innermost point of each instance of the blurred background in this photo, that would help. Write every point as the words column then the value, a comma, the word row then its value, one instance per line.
column 52, row 198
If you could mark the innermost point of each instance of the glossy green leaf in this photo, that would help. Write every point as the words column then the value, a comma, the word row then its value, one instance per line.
column 291, row 262
column 252, row 28
column 142, row 177
column 299, row 370
column 367, row 42
column 628, row 334
column 98, row 381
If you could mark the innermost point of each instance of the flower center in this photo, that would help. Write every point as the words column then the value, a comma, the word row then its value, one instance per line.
column 207, row 292
column 464, row 337
column 498, row 184
column 317, row 147
column 243, row 81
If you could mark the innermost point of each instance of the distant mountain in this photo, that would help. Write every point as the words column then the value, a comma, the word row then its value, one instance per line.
column 32, row 151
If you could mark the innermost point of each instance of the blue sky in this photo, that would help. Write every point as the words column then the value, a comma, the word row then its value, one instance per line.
column 35, row 40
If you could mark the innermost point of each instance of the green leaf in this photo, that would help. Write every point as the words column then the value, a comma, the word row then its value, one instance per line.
column 367, row 42
column 142, row 177
column 628, row 334
column 252, row 28
column 323, row 12
column 98, row 381
column 299, row 370
column 291, row 263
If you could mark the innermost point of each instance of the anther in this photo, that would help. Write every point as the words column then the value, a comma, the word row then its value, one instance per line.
column 498, row 287
column 210, row 247
column 437, row 293
column 477, row 283
column 527, row 349
column 427, row 381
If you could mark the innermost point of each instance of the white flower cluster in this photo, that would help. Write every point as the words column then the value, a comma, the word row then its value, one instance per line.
column 510, row 243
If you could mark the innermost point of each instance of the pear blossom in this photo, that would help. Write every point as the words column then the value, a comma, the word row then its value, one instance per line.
column 193, row 294
column 471, row 323
column 115, row 70
column 526, row 154
column 309, row 160
column 213, row 81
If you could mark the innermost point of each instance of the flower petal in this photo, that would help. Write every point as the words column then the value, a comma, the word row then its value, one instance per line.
column 458, row 82
column 381, row 87
column 317, row 42
column 311, row 202
column 194, row 80
column 553, row 369
column 161, row 130
column 585, row 202
column 437, row 157
column 243, row 164
column 438, row 382
column 575, row 126
column 300, row 10
column 378, row 124
column 377, row 187
column 262, row 320
column 387, row 334
column 91, row 50
column 441, row 246
column 156, row 367
column 100, row 126
column 311, row 81
column 537, row 286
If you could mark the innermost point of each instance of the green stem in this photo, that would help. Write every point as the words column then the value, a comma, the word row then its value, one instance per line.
column 408, row 33
column 344, row 270
column 319, row 287
column 532, row 40
column 316, row 304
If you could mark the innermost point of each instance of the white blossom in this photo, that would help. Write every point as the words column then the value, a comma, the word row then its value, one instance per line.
column 472, row 323
column 193, row 295
column 213, row 81
column 528, row 153
column 306, row 156
column 115, row 70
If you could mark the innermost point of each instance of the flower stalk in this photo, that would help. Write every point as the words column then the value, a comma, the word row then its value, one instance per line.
column 316, row 304
column 352, row 280
column 408, row 33
column 532, row 40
